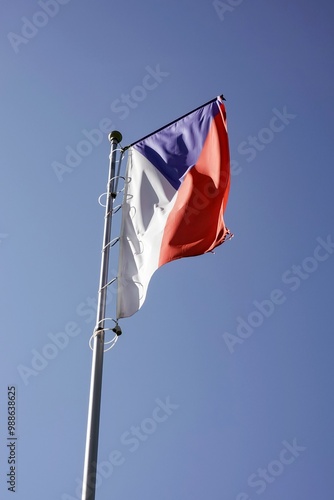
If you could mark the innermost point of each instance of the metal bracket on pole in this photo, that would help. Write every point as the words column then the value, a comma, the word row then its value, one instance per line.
column 90, row 464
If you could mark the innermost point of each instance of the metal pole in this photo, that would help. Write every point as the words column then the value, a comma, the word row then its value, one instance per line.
column 92, row 437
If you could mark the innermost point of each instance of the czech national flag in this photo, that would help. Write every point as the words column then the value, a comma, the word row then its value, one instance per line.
column 177, row 185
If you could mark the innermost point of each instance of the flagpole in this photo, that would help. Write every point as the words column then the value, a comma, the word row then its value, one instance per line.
column 93, row 423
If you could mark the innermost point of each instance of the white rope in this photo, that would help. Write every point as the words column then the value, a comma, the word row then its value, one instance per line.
column 110, row 343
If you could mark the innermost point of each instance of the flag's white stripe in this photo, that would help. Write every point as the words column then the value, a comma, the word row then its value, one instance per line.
column 148, row 201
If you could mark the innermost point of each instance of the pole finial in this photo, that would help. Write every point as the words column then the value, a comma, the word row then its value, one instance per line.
column 115, row 135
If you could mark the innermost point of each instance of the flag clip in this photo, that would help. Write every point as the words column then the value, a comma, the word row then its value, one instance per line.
column 98, row 329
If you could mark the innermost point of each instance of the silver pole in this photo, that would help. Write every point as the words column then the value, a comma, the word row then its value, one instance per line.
column 92, row 437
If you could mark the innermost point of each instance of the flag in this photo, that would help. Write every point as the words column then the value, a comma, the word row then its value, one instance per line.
column 177, row 185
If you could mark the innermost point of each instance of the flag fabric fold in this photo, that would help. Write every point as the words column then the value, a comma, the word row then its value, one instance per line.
column 177, row 186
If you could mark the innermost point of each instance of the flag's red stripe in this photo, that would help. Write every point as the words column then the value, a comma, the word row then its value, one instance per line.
column 195, row 225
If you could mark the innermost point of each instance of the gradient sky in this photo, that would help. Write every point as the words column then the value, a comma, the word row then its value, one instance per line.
column 239, row 344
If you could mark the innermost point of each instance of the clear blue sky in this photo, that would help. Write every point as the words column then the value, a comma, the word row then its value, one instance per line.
column 238, row 345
